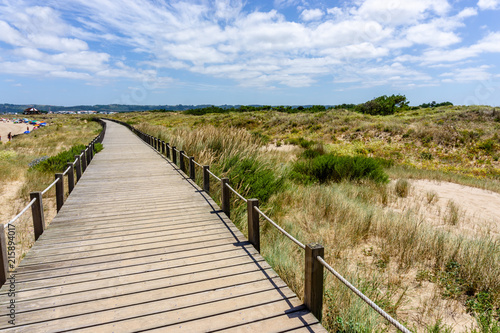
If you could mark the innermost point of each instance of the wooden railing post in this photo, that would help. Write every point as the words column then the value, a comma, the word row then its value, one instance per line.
column 163, row 148
column 78, row 167
column 59, row 191
column 84, row 161
column 226, row 196
column 174, row 156
column 168, row 150
column 37, row 214
column 71, row 177
column 4, row 263
column 182, row 165
column 206, row 179
column 91, row 150
column 253, row 223
column 192, row 171
column 88, row 155
column 313, row 284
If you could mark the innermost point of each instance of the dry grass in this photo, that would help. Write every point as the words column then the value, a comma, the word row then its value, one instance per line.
column 17, row 180
column 381, row 251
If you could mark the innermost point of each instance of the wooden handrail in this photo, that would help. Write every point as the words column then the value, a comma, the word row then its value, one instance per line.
column 36, row 200
column 314, row 253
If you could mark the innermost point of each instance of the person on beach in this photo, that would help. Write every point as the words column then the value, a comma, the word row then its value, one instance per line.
column 9, row 136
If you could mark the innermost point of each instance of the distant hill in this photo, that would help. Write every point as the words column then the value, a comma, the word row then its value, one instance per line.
column 19, row 108
column 13, row 108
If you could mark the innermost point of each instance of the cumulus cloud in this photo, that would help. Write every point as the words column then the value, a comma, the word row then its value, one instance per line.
column 311, row 14
column 431, row 34
column 488, row 4
column 231, row 39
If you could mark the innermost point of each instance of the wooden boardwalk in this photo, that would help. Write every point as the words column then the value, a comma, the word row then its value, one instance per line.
column 139, row 247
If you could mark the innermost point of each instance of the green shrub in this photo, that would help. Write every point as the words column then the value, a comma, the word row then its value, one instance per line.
column 384, row 105
column 98, row 147
column 326, row 168
column 301, row 142
column 58, row 163
column 254, row 178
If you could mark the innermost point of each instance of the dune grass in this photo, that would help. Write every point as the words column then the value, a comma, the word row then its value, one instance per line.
column 61, row 134
column 383, row 252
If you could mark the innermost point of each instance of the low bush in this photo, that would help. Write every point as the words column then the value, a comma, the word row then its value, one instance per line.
column 58, row 163
column 253, row 178
column 402, row 188
column 301, row 142
column 326, row 168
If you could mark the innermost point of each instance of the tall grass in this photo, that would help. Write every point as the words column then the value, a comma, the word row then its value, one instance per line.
column 371, row 246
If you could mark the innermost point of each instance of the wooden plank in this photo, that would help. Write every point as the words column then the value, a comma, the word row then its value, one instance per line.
column 131, row 250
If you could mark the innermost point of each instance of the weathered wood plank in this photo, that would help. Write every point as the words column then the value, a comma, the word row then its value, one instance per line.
column 135, row 250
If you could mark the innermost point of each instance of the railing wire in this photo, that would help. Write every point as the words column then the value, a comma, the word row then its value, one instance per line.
column 66, row 171
column 210, row 172
column 198, row 164
column 320, row 259
column 363, row 297
column 21, row 213
column 280, row 229
column 50, row 186
column 237, row 194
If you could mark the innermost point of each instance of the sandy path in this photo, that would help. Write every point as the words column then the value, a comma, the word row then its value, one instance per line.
column 478, row 211
column 5, row 128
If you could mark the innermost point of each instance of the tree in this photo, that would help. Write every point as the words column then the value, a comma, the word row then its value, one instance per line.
column 384, row 105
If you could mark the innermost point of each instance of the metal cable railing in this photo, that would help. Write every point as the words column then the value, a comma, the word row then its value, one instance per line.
column 363, row 297
column 66, row 171
column 198, row 164
column 210, row 172
column 50, row 186
column 293, row 239
column 237, row 194
column 384, row 314
column 21, row 213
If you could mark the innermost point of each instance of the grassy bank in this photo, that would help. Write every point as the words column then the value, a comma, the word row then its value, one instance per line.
column 392, row 256
column 19, row 175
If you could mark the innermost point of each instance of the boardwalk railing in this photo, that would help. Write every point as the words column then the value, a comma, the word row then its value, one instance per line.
column 314, row 253
column 78, row 166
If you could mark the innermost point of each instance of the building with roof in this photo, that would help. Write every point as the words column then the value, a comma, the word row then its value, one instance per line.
column 31, row 111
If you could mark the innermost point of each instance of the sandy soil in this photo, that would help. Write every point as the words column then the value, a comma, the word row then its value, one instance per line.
column 9, row 199
column 477, row 211
column 5, row 128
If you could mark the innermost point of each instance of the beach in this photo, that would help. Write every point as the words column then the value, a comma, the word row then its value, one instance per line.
column 5, row 128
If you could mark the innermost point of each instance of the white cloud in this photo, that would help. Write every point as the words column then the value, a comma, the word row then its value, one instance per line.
column 311, row 14
column 488, row 4
column 230, row 39
column 468, row 74
column 400, row 12
column 431, row 34
column 467, row 12
column 335, row 11
column 70, row 75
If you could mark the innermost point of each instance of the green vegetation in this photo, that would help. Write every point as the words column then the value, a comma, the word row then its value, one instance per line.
column 384, row 105
column 28, row 164
column 325, row 168
column 291, row 162
column 243, row 108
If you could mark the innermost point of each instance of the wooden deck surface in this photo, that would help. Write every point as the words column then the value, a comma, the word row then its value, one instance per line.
column 138, row 247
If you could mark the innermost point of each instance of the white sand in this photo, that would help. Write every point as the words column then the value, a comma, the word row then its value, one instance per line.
column 478, row 210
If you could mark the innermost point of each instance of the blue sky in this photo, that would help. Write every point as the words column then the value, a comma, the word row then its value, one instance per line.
column 281, row 52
